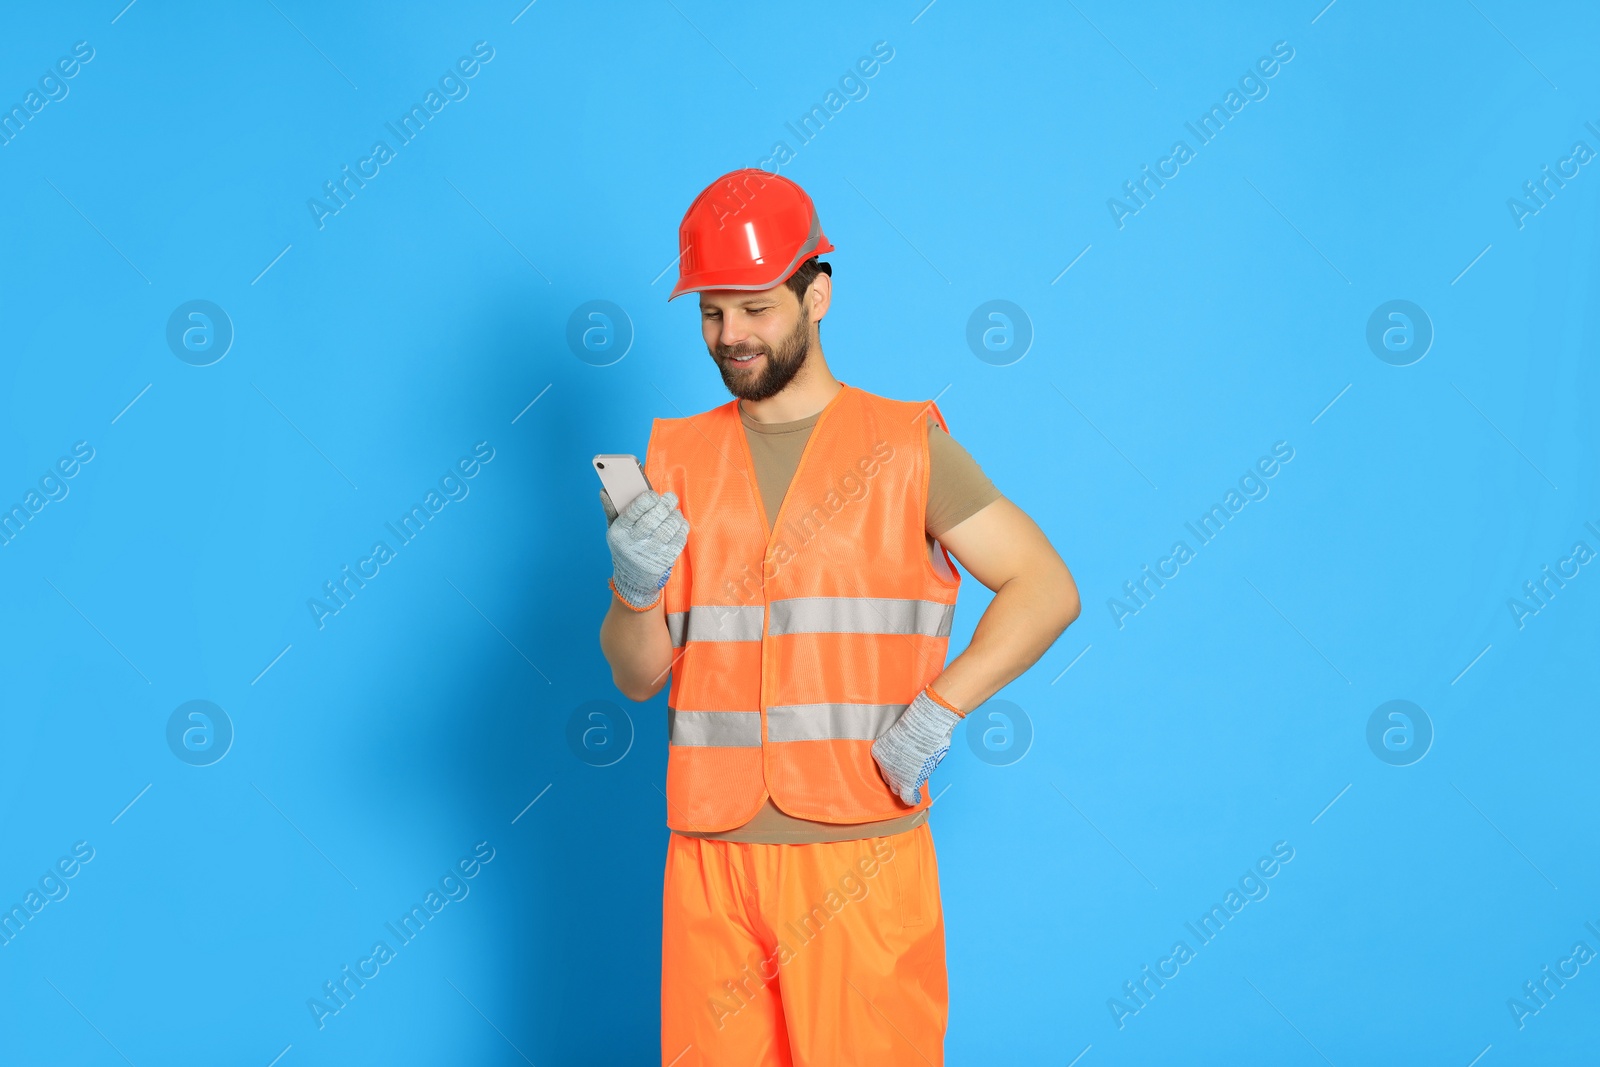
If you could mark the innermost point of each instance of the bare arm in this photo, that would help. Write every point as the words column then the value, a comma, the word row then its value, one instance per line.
column 638, row 647
column 1035, row 600
column 645, row 540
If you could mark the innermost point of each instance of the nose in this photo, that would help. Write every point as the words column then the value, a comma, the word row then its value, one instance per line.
column 732, row 331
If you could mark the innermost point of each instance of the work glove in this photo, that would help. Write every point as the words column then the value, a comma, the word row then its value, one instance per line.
column 914, row 745
column 645, row 542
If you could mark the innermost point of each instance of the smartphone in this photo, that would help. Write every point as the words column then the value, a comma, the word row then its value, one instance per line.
column 623, row 478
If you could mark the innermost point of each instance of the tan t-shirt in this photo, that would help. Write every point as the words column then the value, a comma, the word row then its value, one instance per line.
column 957, row 489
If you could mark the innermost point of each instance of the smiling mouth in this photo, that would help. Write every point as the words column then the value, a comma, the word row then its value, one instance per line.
column 743, row 360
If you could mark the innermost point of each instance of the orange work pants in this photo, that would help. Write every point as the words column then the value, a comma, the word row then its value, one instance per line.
column 815, row 955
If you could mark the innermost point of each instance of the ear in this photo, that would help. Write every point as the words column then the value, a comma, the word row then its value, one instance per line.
column 820, row 294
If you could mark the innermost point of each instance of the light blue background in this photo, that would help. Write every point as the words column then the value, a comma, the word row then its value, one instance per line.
column 1227, row 315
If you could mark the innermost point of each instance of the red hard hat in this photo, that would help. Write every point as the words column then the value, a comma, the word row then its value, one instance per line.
column 747, row 230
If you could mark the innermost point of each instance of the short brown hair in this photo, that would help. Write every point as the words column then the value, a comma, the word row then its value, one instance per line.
column 804, row 275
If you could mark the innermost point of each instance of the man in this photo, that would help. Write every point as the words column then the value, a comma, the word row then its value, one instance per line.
column 790, row 570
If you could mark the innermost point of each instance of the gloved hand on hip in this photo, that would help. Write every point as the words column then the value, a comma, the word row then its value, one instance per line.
column 914, row 745
column 645, row 542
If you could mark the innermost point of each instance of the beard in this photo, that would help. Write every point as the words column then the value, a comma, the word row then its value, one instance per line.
column 777, row 370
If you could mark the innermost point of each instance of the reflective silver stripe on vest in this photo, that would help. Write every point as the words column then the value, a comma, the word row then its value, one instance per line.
column 830, row 722
column 715, row 622
column 733, row 729
column 860, row 615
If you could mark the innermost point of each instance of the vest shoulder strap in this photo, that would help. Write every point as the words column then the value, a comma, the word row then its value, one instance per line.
column 910, row 408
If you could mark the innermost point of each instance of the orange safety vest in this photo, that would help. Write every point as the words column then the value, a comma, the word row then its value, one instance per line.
column 793, row 652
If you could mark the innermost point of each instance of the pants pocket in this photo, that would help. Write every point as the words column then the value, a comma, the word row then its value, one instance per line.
column 908, row 874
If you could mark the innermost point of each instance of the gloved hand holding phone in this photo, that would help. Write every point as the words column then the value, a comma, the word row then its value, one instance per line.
column 645, row 540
